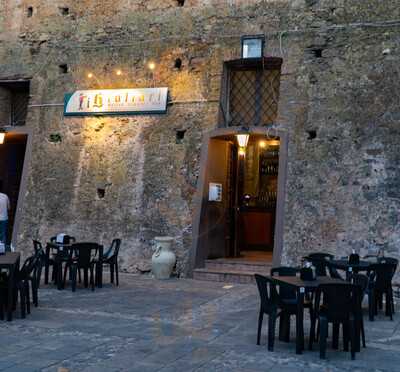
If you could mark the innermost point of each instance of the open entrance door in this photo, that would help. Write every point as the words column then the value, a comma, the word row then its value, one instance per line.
column 239, row 206
column 12, row 156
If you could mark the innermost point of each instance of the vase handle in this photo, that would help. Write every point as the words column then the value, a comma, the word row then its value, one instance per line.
column 158, row 250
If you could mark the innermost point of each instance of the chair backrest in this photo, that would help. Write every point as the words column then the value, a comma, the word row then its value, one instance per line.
column 340, row 300
column 286, row 292
column 319, row 260
column 37, row 246
column 268, row 294
column 67, row 238
column 28, row 267
column 360, row 280
column 114, row 248
column 382, row 274
column 284, row 271
column 85, row 252
column 389, row 260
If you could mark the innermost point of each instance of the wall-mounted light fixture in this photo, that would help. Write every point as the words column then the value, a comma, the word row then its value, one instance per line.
column 89, row 75
column 242, row 140
column 253, row 46
column 2, row 136
column 151, row 66
column 118, row 72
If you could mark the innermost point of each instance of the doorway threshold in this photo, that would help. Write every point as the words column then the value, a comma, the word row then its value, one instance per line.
column 236, row 269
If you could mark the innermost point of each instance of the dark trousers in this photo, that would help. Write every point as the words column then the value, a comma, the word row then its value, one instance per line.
column 3, row 231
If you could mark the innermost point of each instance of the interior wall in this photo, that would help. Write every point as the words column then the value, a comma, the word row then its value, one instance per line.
column 12, row 155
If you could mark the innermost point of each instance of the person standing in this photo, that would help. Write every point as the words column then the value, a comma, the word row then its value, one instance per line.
column 4, row 208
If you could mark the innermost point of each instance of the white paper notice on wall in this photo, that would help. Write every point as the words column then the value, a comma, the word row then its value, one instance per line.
column 215, row 192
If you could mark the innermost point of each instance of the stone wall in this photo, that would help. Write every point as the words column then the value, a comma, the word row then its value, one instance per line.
column 338, row 101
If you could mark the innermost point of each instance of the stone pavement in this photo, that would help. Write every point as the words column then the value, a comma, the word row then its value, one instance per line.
column 175, row 325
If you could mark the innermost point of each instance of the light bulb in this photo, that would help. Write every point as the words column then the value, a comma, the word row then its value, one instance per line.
column 242, row 151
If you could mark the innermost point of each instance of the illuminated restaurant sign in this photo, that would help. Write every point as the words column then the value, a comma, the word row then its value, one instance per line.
column 116, row 102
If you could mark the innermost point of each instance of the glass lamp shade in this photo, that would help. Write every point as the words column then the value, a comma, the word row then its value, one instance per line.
column 2, row 136
column 252, row 48
column 242, row 139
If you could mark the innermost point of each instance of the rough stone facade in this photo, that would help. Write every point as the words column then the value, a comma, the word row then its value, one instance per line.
column 339, row 101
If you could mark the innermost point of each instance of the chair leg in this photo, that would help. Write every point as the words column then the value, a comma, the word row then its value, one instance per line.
column 22, row 298
column 312, row 329
column 112, row 273
column 380, row 301
column 335, row 335
column 352, row 338
column 371, row 305
column 260, row 321
column 27, row 297
column 85, row 277
column 91, row 277
column 362, row 331
column 271, row 330
column 346, row 336
column 73, row 269
column 34, row 293
column 284, row 327
column 116, row 271
column 323, row 336
column 65, row 274
column 2, row 306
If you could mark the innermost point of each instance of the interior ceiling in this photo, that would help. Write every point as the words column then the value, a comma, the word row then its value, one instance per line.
column 15, row 138
column 253, row 138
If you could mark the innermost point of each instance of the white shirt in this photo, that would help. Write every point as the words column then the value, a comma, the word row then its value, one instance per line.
column 4, row 207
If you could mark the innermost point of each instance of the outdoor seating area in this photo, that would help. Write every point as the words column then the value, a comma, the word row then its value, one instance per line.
column 176, row 325
column 334, row 292
column 70, row 262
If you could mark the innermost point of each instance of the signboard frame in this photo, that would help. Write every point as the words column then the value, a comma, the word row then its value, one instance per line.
column 161, row 109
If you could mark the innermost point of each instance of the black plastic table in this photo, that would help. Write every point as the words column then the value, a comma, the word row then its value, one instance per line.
column 10, row 261
column 301, row 287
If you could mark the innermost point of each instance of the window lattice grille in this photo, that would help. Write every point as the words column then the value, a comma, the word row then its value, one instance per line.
column 19, row 107
column 253, row 97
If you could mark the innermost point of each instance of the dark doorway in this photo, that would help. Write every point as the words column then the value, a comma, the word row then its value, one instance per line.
column 12, row 156
column 239, row 199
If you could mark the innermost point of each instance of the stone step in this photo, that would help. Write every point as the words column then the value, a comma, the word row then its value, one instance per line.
column 227, row 276
column 235, row 265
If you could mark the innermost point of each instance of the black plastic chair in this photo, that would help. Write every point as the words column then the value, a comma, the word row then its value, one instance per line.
column 319, row 260
column 22, row 279
column 341, row 305
column 381, row 275
column 288, row 301
column 84, row 257
column 111, row 258
column 41, row 255
column 363, row 282
column 268, row 305
column 321, row 263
